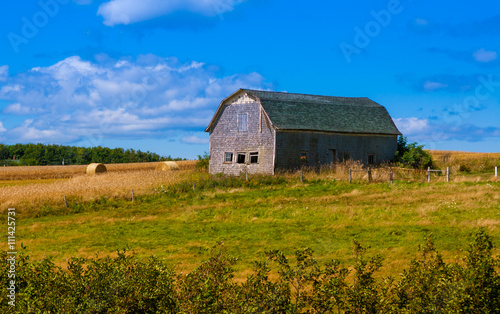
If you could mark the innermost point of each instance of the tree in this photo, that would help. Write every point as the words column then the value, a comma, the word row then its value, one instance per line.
column 40, row 154
column 412, row 155
column 4, row 152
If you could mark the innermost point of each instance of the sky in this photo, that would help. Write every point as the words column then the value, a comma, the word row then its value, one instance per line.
column 150, row 74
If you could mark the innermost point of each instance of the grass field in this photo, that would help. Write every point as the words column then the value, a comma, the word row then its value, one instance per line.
column 325, row 213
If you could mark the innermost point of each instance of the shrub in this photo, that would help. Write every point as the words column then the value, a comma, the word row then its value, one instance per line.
column 203, row 161
column 412, row 155
column 465, row 168
column 116, row 285
column 125, row 284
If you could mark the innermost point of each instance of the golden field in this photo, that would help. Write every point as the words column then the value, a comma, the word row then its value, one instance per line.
column 475, row 162
column 440, row 155
column 32, row 186
column 57, row 172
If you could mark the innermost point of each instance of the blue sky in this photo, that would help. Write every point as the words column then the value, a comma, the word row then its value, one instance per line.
column 150, row 74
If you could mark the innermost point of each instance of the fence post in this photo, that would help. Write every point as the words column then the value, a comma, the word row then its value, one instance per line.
column 369, row 175
column 350, row 175
column 496, row 172
column 447, row 174
column 133, row 197
column 391, row 176
column 193, row 187
column 429, row 174
column 246, row 175
column 301, row 176
column 65, row 201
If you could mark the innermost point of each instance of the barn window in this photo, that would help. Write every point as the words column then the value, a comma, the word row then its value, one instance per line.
column 242, row 122
column 228, row 157
column 371, row 159
column 303, row 156
column 241, row 158
column 254, row 158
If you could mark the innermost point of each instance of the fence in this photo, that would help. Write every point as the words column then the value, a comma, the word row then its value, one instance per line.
column 369, row 170
column 351, row 171
column 392, row 176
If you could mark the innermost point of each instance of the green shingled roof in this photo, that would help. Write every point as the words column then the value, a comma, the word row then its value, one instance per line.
column 325, row 113
column 321, row 113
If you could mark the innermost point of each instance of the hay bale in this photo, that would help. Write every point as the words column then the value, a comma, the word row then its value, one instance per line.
column 96, row 168
column 167, row 165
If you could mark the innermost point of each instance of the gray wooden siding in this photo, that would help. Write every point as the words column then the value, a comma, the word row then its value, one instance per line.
column 225, row 137
column 319, row 147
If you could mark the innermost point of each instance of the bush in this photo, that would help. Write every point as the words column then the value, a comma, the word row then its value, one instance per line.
column 125, row 284
column 116, row 285
column 203, row 161
column 413, row 155
column 465, row 168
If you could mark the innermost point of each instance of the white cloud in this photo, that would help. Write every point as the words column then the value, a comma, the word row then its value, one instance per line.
column 430, row 86
column 145, row 98
column 435, row 132
column 18, row 109
column 10, row 88
column 2, row 128
column 131, row 11
column 4, row 73
column 483, row 55
column 193, row 139
column 412, row 126
column 29, row 132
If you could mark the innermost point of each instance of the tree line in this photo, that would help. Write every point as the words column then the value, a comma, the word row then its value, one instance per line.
column 40, row 154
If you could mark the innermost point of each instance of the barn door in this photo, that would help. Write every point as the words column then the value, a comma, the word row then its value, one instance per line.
column 332, row 156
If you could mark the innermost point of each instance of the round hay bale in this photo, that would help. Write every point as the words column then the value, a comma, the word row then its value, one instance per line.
column 96, row 168
column 167, row 165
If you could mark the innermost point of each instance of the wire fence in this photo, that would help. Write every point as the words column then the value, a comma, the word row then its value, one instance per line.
column 405, row 174
column 391, row 174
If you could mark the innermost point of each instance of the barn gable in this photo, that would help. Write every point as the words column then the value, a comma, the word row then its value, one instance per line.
column 241, row 137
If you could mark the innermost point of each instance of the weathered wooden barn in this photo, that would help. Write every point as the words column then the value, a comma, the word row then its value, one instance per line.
column 260, row 132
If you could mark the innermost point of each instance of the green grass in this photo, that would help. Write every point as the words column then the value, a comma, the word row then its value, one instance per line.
column 180, row 225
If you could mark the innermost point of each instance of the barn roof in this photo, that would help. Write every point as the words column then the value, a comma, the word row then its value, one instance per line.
column 289, row 111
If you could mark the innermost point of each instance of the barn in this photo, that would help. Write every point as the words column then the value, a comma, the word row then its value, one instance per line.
column 260, row 132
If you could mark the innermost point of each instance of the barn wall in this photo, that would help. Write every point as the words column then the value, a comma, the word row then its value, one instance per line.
column 225, row 137
column 320, row 146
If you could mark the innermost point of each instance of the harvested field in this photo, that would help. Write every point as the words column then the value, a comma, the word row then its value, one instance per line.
column 462, row 156
column 117, row 184
column 57, row 172
column 28, row 188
